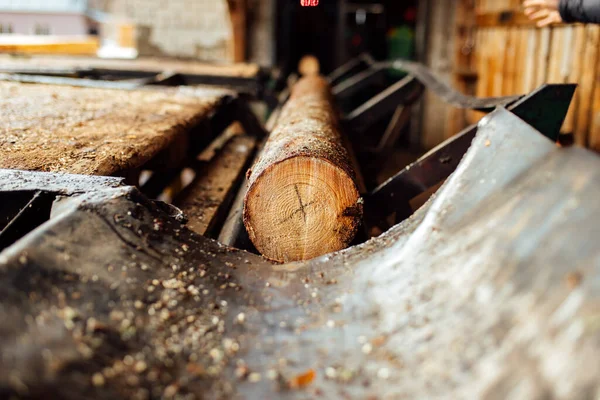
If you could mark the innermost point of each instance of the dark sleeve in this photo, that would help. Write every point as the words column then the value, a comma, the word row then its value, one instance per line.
column 587, row 11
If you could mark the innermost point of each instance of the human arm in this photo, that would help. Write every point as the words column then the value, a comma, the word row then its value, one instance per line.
column 548, row 12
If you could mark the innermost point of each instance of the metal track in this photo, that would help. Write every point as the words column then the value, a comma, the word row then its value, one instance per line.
column 545, row 109
column 114, row 298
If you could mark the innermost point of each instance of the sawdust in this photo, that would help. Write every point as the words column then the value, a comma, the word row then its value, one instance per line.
column 94, row 131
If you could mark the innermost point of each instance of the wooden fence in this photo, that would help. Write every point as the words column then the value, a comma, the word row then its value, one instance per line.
column 498, row 51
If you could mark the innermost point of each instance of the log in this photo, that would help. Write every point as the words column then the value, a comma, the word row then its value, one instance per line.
column 302, row 199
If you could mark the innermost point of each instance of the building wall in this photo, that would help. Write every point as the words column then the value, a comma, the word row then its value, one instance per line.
column 57, row 23
column 184, row 28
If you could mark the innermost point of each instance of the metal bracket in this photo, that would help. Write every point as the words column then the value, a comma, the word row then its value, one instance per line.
column 350, row 68
column 404, row 92
column 361, row 72
column 390, row 136
column 451, row 96
column 545, row 110
column 358, row 82
column 130, row 79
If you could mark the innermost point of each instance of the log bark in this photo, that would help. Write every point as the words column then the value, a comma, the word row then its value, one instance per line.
column 302, row 199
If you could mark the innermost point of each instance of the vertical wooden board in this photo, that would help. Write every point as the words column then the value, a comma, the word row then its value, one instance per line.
column 482, row 6
column 463, row 60
column 566, row 55
column 501, row 36
column 508, row 66
column 520, row 60
column 594, row 135
column 479, row 62
column 563, row 58
column 575, row 53
column 491, row 62
column 237, row 16
column 479, row 66
column 555, row 58
column 517, row 67
column 589, row 89
column 543, row 56
column 484, row 70
column 556, row 62
column 529, row 59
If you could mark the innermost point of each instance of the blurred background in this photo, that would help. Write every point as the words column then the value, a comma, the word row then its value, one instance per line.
column 483, row 48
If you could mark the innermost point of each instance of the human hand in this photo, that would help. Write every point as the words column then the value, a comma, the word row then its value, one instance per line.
column 545, row 12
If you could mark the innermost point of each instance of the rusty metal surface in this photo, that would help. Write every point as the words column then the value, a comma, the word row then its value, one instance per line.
column 489, row 291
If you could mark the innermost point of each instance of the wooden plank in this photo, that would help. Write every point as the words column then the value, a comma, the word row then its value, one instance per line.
column 560, row 57
column 237, row 15
column 556, row 53
column 503, row 18
column 95, row 131
column 529, row 55
column 510, row 60
column 20, row 44
column 480, row 63
column 520, row 60
column 517, row 67
column 481, row 67
column 464, row 63
column 594, row 137
column 588, row 92
column 501, row 38
column 506, row 17
column 149, row 64
column 525, row 59
column 543, row 56
column 205, row 200
column 575, row 71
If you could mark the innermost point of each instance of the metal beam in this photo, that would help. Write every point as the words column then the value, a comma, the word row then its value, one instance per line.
column 545, row 109
column 403, row 92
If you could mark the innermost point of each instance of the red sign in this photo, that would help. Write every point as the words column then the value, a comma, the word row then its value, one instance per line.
column 309, row 3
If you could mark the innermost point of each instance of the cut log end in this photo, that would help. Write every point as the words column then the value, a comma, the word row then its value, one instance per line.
column 301, row 208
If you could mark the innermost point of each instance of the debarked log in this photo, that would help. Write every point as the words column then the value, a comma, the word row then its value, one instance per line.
column 302, row 199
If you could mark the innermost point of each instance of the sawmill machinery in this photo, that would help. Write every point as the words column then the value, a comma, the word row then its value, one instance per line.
column 487, row 290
